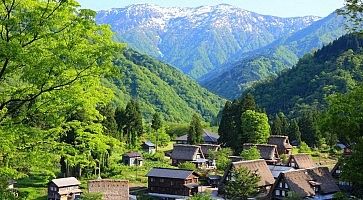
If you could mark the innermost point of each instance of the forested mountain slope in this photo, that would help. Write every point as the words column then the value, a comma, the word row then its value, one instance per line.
column 161, row 88
column 197, row 40
column 272, row 59
column 336, row 67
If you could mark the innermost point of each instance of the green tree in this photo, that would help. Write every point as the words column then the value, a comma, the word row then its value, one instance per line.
column 276, row 128
column 201, row 196
column 243, row 186
column 156, row 124
column 255, row 127
column 229, row 126
column 353, row 10
column 195, row 132
column 187, row 166
column 285, row 125
column 248, row 102
column 222, row 158
column 251, row 154
column 308, row 128
column 304, row 148
column 131, row 122
column 292, row 196
column 294, row 132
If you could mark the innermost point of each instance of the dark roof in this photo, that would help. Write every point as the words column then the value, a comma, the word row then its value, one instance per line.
column 149, row 144
column 257, row 166
column 267, row 151
column 170, row 173
column 303, row 161
column 276, row 170
column 281, row 141
column 302, row 181
column 209, row 147
column 132, row 154
column 185, row 152
column 63, row 182
column 208, row 137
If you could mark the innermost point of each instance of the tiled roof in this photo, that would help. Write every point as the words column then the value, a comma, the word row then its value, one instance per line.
column 63, row 182
column 170, row 173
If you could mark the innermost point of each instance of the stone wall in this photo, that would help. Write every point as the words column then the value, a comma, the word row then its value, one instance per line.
column 111, row 189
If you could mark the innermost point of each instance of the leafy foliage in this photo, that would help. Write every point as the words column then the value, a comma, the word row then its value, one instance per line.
column 222, row 158
column 187, row 166
column 243, row 186
column 251, row 154
column 195, row 132
column 255, row 127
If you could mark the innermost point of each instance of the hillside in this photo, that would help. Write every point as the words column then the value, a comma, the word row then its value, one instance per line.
column 162, row 88
column 197, row 40
column 284, row 53
column 336, row 67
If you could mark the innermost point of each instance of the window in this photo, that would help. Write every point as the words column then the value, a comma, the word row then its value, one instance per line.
column 283, row 193
column 280, row 185
column 161, row 180
column 171, row 183
column 286, row 186
column 152, row 180
column 277, row 192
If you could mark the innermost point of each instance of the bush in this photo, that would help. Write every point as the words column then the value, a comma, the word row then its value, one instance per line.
column 187, row 166
column 304, row 148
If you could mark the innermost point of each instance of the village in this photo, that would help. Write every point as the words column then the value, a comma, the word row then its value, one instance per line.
column 193, row 170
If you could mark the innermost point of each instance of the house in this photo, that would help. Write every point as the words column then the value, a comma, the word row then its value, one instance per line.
column 172, row 183
column 259, row 167
column 213, row 180
column 148, row 147
column 188, row 153
column 313, row 183
column 301, row 161
column 268, row 152
column 109, row 188
column 132, row 159
column 64, row 189
column 207, row 148
column 336, row 174
column 208, row 138
column 282, row 143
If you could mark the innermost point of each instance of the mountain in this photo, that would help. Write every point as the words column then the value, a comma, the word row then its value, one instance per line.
column 284, row 53
column 336, row 67
column 197, row 40
column 161, row 88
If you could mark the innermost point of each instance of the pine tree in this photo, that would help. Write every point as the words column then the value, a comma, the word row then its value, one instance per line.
column 276, row 128
column 195, row 132
column 294, row 132
column 284, row 123
column 308, row 128
column 156, row 124
column 130, row 121
column 226, row 125
column 248, row 102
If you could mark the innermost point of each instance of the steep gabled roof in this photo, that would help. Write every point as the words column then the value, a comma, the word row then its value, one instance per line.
column 302, row 181
column 132, row 154
column 170, row 173
column 185, row 152
column 208, row 137
column 267, row 151
column 209, row 147
column 63, row 182
column 303, row 161
column 258, row 167
column 281, row 141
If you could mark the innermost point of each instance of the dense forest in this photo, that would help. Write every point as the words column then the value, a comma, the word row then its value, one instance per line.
column 334, row 68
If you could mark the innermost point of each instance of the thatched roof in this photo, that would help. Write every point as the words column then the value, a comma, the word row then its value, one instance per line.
column 302, row 181
column 185, row 152
column 209, row 147
column 208, row 137
column 267, row 151
column 281, row 141
column 303, row 161
column 170, row 173
column 256, row 166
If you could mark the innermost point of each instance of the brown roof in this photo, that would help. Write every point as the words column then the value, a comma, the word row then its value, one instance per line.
column 64, row 182
column 302, row 181
column 257, row 166
column 209, row 147
column 303, row 161
column 185, row 152
column 267, row 151
column 208, row 137
column 281, row 141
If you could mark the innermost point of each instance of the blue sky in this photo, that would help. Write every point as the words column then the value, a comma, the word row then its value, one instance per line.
column 282, row 8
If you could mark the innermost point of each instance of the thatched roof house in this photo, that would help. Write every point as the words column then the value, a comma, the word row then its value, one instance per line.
column 301, row 161
column 282, row 143
column 268, row 152
column 208, row 138
column 313, row 182
column 207, row 148
column 184, row 152
column 258, row 167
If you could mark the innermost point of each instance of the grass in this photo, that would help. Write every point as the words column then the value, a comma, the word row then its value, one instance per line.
column 35, row 193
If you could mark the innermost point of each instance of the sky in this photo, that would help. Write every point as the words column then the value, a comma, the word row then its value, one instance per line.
column 281, row 8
